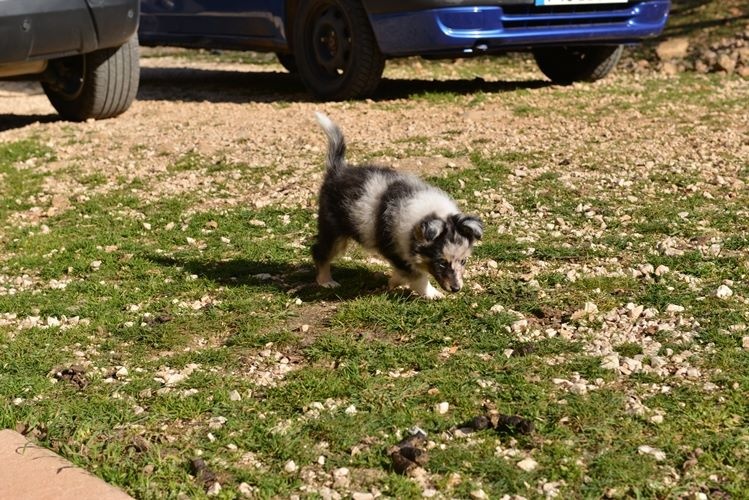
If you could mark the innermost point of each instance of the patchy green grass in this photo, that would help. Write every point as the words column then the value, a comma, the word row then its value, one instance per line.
column 614, row 247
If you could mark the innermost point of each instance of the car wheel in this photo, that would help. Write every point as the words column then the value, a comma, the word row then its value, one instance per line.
column 100, row 84
column 565, row 65
column 288, row 62
column 335, row 49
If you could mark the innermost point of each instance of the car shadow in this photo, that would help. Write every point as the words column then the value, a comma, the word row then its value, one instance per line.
column 296, row 280
column 10, row 122
column 199, row 85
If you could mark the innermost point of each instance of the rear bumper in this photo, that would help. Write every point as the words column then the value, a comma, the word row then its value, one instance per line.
column 518, row 25
column 46, row 29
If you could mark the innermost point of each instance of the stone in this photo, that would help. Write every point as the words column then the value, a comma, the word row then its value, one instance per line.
column 726, row 63
column 674, row 48
column 654, row 452
column 723, row 292
column 442, row 408
column 528, row 464
column 669, row 68
column 214, row 490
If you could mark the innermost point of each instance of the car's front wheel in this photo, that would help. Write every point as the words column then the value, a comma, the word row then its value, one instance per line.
column 565, row 65
column 100, row 84
column 335, row 49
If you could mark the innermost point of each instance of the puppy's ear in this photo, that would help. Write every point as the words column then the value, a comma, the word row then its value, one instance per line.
column 428, row 229
column 469, row 226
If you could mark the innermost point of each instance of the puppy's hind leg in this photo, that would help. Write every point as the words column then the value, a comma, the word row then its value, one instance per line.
column 323, row 252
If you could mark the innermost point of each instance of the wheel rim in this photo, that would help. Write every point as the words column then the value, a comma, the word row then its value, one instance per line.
column 66, row 77
column 330, row 47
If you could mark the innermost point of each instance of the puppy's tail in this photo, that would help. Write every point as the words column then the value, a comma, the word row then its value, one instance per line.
column 336, row 143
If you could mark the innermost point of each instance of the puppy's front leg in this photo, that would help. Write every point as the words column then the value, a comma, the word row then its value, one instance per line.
column 423, row 287
column 324, row 279
column 396, row 280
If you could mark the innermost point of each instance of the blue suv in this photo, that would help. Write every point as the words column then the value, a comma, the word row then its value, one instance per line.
column 339, row 47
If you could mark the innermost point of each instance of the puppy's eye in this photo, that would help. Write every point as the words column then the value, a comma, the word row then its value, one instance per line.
column 462, row 262
column 442, row 264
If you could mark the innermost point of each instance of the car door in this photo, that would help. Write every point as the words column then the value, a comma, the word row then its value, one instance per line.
column 218, row 20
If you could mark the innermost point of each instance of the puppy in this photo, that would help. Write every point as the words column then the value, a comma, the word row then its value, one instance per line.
column 415, row 226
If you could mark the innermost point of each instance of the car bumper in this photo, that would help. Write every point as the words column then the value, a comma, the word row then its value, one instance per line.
column 468, row 29
column 45, row 29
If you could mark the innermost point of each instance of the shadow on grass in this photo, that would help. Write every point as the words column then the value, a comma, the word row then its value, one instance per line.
column 198, row 85
column 297, row 280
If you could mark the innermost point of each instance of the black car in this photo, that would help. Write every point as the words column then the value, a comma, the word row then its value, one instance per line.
column 84, row 52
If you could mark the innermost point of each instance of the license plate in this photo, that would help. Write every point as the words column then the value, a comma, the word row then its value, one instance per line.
column 576, row 2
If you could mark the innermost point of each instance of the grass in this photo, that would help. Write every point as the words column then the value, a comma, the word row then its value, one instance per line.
column 224, row 297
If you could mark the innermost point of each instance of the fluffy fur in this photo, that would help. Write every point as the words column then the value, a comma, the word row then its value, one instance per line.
column 415, row 226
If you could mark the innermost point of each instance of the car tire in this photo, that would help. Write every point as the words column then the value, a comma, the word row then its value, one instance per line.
column 288, row 62
column 335, row 49
column 565, row 65
column 100, row 84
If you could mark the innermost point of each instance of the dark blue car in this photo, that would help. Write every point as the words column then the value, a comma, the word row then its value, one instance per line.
column 339, row 47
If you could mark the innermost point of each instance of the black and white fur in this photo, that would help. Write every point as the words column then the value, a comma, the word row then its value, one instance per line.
column 415, row 226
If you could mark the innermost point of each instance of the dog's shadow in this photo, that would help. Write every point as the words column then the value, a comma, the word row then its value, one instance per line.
column 296, row 280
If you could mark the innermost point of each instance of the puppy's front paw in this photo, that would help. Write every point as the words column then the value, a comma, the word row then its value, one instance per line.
column 432, row 293
column 329, row 284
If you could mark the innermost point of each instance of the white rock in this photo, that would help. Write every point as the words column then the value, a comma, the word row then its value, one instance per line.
column 723, row 292
column 610, row 361
column 528, row 464
column 95, row 265
column 479, row 494
column 659, row 455
column 341, row 472
column 657, row 419
column 214, row 490
column 442, row 408
column 290, row 466
column 235, row 396
column 245, row 489
column 673, row 308
column 146, row 226
column 351, row 410
column 661, row 270
column 745, row 343
column 588, row 309
column 173, row 379
column 358, row 495
column 636, row 312
column 216, row 422
column 121, row 372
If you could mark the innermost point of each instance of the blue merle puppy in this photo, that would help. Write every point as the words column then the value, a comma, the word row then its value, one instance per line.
column 418, row 228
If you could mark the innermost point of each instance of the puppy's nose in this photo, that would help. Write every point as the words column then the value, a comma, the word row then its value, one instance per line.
column 454, row 288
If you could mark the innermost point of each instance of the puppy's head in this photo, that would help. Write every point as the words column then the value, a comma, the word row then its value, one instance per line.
column 444, row 245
